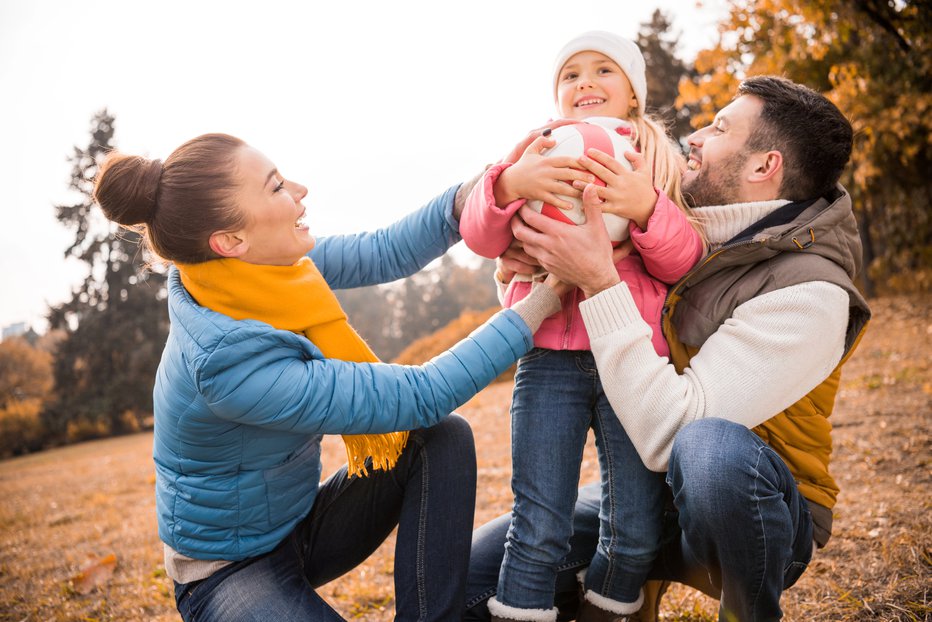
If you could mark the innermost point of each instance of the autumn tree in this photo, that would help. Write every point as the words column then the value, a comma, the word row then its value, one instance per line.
column 873, row 59
column 116, row 321
column 666, row 70
column 25, row 371
column 25, row 384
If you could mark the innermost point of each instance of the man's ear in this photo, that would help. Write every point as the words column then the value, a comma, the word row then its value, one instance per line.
column 768, row 166
column 228, row 243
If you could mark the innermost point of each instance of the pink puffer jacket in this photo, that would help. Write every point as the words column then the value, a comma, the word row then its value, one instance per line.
column 663, row 254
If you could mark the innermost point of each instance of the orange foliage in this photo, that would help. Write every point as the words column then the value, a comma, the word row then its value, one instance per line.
column 873, row 60
column 25, row 372
column 21, row 429
column 25, row 385
column 95, row 573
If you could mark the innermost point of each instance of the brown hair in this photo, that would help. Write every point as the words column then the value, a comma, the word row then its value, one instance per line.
column 810, row 132
column 177, row 204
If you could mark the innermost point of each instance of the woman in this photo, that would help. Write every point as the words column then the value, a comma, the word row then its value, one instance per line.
column 260, row 362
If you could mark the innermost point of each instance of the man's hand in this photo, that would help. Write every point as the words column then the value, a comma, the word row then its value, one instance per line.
column 577, row 254
column 628, row 194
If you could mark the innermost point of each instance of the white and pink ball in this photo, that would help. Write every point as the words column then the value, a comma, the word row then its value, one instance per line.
column 606, row 134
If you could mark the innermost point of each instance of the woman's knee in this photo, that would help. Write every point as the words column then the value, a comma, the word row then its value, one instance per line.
column 451, row 438
column 456, row 430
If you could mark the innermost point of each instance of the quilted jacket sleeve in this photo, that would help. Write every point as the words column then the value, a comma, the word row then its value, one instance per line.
column 261, row 380
column 391, row 253
column 486, row 227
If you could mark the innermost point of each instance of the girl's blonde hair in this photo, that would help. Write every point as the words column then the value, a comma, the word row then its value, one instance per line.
column 663, row 157
column 661, row 154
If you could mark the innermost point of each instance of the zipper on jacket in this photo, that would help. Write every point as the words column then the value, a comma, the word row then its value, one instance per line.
column 746, row 237
column 568, row 321
column 682, row 282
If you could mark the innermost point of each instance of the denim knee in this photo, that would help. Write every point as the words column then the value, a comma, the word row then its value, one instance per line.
column 452, row 431
column 457, row 428
column 707, row 454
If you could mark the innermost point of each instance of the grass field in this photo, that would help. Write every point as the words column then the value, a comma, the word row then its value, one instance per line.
column 78, row 537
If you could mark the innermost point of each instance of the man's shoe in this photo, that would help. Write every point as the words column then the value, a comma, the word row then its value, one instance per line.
column 589, row 612
column 653, row 592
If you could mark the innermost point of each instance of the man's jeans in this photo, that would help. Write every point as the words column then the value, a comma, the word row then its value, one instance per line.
column 558, row 397
column 429, row 496
column 738, row 528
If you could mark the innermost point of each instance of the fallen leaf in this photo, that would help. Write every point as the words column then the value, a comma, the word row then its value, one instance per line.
column 97, row 571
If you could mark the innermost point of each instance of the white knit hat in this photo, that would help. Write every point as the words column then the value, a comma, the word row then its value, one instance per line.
column 624, row 52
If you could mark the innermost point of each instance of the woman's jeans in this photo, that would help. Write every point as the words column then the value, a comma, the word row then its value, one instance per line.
column 557, row 398
column 429, row 496
column 737, row 528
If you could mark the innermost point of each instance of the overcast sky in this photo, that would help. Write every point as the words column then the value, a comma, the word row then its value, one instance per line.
column 375, row 106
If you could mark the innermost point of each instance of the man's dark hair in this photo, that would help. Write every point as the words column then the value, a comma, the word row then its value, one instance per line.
column 803, row 125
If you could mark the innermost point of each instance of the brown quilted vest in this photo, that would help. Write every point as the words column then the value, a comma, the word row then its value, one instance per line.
column 800, row 242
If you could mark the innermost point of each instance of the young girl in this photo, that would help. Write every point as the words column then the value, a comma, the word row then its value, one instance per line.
column 558, row 395
column 260, row 362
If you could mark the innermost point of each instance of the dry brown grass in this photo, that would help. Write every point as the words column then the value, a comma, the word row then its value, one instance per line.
column 60, row 508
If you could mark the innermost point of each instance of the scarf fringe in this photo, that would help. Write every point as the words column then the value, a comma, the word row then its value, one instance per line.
column 383, row 449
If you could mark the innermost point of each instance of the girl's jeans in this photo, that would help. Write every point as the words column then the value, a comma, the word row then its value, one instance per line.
column 429, row 496
column 737, row 529
column 557, row 398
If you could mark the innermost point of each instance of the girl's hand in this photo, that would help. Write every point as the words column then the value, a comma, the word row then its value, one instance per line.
column 628, row 194
column 535, row 176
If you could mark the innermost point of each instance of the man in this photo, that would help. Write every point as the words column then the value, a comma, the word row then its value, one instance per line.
column 758, row 330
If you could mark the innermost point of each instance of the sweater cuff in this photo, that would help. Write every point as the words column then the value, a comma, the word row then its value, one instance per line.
column 537, row 306
column 609, row 310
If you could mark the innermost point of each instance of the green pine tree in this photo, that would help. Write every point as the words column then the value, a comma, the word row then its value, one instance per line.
column 116, row 321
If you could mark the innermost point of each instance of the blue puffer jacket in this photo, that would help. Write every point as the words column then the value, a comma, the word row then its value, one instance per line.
column 240, row 407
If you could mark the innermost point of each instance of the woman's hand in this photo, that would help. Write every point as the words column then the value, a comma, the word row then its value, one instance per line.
column 533, row 135
column 560, row 288
column 628, row 194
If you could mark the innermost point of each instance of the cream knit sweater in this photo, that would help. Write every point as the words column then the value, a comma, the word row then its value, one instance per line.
column 747, row 372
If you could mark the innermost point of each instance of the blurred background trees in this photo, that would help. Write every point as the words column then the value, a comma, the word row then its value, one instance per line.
column 872, row 58
column 116, row 321
column 92, row 375
column 391, row 317
column 665, row 71
column 25, row 385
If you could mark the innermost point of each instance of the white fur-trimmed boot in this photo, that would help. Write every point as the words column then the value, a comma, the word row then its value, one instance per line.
column 505, row 613
column 594, row 607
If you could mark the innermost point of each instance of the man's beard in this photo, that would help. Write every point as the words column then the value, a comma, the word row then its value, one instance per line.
column 716, row 186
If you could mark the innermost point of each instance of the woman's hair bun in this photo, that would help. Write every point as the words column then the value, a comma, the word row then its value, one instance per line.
column 127, row 188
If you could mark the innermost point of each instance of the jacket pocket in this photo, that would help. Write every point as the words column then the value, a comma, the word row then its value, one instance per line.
column 292, row 485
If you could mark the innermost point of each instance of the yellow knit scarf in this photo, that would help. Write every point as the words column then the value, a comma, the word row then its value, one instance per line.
column 294, row 298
